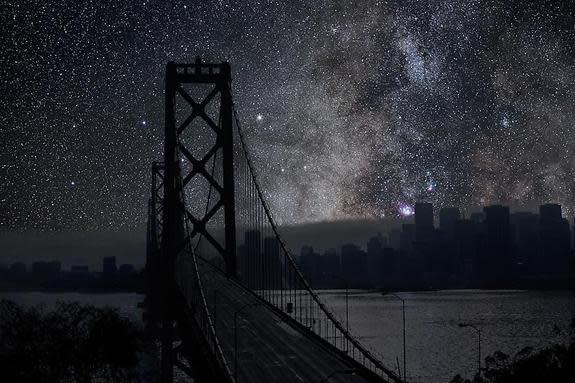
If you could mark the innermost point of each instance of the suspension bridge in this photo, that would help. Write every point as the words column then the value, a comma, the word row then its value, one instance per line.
column 224, row 292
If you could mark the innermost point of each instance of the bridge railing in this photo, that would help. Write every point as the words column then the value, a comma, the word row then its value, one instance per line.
column 268, row 268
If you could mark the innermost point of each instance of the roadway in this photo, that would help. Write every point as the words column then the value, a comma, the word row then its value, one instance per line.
column 269, row 349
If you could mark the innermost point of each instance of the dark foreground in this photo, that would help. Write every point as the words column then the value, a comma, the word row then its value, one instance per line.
column 81, row 343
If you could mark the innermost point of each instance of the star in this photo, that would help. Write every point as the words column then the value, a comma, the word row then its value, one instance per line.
column 384, row 104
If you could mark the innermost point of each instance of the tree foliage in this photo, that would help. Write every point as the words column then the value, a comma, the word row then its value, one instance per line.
column 69, row 343
column 553, row 364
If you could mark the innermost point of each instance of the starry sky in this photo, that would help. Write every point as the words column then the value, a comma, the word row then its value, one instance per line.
column 350, row 109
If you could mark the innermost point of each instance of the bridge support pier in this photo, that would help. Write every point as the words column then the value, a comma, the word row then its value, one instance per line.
column 174, row 213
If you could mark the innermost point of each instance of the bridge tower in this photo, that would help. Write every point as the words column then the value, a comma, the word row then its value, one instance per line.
column 177, row 152
column 176, row 149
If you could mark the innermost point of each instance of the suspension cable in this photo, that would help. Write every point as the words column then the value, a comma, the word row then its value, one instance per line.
column 295, row 273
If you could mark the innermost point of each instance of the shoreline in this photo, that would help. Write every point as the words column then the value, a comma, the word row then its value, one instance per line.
column 382, row 291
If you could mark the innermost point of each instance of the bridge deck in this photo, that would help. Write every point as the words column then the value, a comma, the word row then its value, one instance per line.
column 270, row 349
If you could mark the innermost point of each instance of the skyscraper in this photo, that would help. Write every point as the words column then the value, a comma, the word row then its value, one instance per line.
column 109, row 266
column 375, row 266
column 555, row 238
column 308, row 263
column 466, row 238
column 447, row 218
column 273, row 262
column 478, row 217
column 423, row 221
column 526, row 230
column 250, row 258
column 496, row 262
column 550, row 213
column 354, row 265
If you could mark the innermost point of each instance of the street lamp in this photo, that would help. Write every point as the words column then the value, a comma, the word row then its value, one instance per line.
column 350, row 371
column 236, row 313
column 346, row 305
column 403, row 312
column 346, row 299
column 478, row 344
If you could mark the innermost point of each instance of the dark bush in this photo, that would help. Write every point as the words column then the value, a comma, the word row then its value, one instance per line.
column 553, row 364
column 69, row 343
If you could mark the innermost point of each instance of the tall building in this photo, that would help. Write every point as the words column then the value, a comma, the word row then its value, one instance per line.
column 550, row 213
column 495, row 261
column 354, row 265
column 466, row 238
column 429, row 260
column 109, row 267
column 46, row 273
column 18, row 270
column 250, row 259
column 395, row 238
column 127, row 269
column 447, row 218
column 423, row 221
column 526, row 238
column 375, row 267
column 447, row 253
column 330, row 265
column 390, row 265
column 555, row 238
column 407, row 237
column 478, row 217
column 80, row 270
column 308, row 264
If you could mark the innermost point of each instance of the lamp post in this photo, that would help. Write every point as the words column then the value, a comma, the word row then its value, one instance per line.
column 236, row 313
column 346, row 305
column 403, row 325
column 350, row 371
column 346, row 299
column 478, row 344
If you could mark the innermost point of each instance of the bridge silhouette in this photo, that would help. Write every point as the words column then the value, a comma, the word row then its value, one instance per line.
column 229, row 312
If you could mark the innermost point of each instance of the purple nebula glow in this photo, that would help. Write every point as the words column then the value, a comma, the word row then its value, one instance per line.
column 405, row 210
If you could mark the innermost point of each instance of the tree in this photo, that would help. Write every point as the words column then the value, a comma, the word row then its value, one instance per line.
column 553, row 364
column 70, row 343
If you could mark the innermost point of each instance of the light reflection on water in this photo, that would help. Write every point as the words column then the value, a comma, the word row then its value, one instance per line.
column 437, row 348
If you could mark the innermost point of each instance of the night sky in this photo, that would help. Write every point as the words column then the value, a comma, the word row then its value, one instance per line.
column 351, row 109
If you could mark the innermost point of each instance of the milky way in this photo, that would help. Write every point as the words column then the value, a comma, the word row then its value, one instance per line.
column 350, row 110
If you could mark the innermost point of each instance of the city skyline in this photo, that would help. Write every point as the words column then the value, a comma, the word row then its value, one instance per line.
column 490, row 249
column 86, row 248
